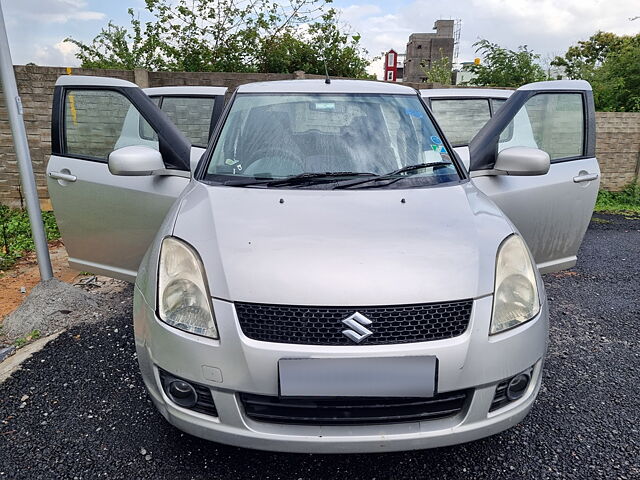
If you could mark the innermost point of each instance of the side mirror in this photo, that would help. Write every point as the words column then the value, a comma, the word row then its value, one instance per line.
column 522, row 161
column 135, row 160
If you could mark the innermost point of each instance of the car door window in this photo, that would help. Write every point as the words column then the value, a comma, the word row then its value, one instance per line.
column 553, row 122
column 192, row 116
column 96, row 122
column 496, row 103
column 146, row 132
column 461, row 118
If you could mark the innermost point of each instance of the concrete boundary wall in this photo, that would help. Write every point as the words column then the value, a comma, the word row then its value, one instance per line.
column 618, row 142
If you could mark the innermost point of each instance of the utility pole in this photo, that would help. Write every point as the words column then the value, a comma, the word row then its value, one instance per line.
column 14, row 109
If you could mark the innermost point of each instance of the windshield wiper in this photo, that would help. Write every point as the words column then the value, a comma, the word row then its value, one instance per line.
column 395, row 175
column 307, row 177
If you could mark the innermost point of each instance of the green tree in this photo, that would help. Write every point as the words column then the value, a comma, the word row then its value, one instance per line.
column 439, row 71
column 616, row 83
column 502, row 67
column 581, row 60
column 118, row 48
column 230, row 35
column 611, row 63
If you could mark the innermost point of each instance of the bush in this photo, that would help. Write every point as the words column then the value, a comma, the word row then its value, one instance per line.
column 626, row 200
column 15, row 234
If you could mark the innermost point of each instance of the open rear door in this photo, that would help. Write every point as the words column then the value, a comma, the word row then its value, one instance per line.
column 552, row 211
column 107, row 222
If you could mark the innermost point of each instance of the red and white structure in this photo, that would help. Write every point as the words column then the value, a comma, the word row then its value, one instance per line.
column 392, row 66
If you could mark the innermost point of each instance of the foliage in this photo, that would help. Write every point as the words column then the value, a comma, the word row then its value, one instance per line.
column 582, row 59
column 616, row 84
column 230, row 36
column 22, row 341
column 502, row 67
column 15, row 234
column 611, row 63
column 118, row 48
column 627, row 200
column 439, row 71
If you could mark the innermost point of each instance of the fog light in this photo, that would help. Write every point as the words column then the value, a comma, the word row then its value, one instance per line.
column 518, row 386
column 182, row 393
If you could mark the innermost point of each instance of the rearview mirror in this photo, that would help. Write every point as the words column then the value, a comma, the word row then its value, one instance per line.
column 135, row 160
column 522, row 161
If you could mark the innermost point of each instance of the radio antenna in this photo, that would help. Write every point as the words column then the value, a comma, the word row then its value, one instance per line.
column 327, row 80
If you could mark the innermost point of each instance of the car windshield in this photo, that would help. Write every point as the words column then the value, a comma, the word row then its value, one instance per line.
column 315, row 139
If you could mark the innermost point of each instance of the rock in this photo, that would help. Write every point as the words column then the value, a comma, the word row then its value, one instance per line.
column 43, row 309
column 6, row 351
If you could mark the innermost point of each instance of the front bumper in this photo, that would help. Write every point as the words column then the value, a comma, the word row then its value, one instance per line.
column 236, row 364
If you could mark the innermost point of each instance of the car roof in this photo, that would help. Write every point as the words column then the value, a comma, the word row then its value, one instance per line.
column 465, row 92
column 203, row 91
column 320, row 86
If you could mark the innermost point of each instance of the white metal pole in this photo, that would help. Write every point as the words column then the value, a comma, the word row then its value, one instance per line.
column 14, row 109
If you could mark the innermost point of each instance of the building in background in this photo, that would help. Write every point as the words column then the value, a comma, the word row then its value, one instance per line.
column 461, row 76
column 423, row 49
column 393, row 66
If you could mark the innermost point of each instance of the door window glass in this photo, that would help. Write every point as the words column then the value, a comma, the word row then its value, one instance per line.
column 496, row 103
column 461, row 118
column 192, row 116
column 146, row 132
column 553, row 122
column 97, row 122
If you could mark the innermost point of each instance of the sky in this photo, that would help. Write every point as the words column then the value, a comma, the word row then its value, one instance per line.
column 37, row 28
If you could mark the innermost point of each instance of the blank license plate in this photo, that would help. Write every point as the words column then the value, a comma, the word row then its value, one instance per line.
column 358, row 377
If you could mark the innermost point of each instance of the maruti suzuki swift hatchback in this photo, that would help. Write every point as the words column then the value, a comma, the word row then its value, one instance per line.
column 328, row 276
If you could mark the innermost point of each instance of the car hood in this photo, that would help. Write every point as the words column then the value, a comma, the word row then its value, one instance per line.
column 343, row 247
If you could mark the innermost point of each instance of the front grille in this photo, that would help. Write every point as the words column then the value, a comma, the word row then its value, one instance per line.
column 351, row 410
column 323, row 325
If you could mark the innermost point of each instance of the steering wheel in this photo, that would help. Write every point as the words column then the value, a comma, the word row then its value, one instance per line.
column 265, row 159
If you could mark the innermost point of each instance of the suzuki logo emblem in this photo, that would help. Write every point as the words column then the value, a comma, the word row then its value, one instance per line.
column 357, row 330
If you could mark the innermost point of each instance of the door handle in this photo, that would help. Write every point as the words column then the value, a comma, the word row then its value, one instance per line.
column 67, row 177
column 585, row 177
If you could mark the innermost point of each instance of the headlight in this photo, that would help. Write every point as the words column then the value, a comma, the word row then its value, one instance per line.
column 183, row 298
column 515, row 298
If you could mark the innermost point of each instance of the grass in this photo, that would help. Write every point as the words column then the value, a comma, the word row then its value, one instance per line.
column 15, row 234
column 22, row 341
column 624, row 201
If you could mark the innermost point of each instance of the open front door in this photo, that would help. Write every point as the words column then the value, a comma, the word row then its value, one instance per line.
column 108, row 221
column 551, row 211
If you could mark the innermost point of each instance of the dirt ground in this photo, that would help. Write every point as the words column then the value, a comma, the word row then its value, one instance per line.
column 25, row 274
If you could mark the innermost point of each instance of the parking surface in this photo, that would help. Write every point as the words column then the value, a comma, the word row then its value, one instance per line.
column 87, row 413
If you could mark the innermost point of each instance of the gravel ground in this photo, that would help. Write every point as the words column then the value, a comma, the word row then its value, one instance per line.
column 78, row 408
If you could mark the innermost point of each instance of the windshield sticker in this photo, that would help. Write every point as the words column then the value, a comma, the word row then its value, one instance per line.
column 324, row 106
column 439, row 149
column 436, row 140
column 414, row 113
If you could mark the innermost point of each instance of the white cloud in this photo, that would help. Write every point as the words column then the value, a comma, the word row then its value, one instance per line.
column 51, row 11
column 60, row 53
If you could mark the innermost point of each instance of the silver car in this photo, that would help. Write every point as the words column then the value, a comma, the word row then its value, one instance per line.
column 330, row 276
